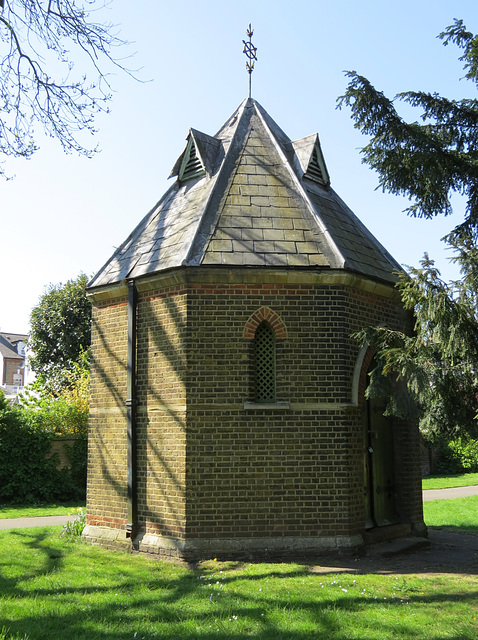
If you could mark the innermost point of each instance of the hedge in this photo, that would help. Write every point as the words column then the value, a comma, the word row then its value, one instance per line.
column 27, row 474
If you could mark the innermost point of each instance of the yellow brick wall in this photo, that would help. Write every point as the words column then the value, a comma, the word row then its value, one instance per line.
column 295, row 471
column 211, row 466
column 161, row 396
column 107, row 469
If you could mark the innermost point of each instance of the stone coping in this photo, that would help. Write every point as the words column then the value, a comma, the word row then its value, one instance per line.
column 247, row 275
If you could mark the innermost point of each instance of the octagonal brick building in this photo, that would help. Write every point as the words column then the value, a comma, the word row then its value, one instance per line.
column 228, row 416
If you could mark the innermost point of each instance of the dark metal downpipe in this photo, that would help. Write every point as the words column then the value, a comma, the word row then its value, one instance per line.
column 131, row 412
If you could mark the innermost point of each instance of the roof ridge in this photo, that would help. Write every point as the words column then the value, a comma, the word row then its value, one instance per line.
column 220, row 209
column 254, row 208
column 366, row 231
column 315, row 214
column 232, row 118
column 192, row 256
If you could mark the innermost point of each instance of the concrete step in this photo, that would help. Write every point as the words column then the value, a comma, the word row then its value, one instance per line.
column 389, row 532
column 399, row 546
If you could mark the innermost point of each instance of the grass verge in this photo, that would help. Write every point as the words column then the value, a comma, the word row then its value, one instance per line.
column 446, row 482
column 26, row 511
column 64, row 509
column 457, row 514
column 52, row 588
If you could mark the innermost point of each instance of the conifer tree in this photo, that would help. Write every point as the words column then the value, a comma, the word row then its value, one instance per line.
column 429, row 161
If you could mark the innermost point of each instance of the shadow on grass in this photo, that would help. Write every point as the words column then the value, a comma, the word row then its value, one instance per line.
column 52, row 559
column 463, row 528
column 167, row 612
column 103, row 598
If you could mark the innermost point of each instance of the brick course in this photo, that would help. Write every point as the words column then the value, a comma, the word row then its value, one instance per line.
column 106, row 492
column 214, row 468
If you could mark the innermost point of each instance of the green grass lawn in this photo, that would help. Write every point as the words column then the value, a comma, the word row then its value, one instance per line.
column 53, row 588
column 445, row 482
column 64, row 509
column 459, row 514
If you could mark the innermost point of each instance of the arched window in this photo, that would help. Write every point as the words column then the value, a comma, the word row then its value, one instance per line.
column 265, row 363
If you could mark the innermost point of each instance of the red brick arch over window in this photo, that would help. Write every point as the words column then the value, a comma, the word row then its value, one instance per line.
column 265, row 314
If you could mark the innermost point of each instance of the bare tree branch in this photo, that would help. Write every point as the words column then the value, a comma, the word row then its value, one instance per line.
column 43, row 46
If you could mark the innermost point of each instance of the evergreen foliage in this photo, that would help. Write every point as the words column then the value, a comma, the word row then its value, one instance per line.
column 57, row 405
column 28, row 474
column 458, row 456
column 429, row 162
column 60, row 331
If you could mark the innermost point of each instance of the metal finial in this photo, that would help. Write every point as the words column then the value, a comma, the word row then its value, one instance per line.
column 250, row 51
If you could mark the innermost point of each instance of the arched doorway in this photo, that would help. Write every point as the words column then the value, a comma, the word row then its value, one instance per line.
column 379, row 476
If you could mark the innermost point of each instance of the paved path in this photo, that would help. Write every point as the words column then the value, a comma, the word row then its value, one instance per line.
column 455, row 492
column 24, row 523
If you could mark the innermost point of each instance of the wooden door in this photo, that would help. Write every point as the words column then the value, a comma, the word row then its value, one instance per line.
column 380, row 508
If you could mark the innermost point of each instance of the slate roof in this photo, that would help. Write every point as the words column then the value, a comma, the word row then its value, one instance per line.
column 256, row 198
column 8, row 343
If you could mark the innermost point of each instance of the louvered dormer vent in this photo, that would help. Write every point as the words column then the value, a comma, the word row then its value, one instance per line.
column 314, row 170
column 191, row 166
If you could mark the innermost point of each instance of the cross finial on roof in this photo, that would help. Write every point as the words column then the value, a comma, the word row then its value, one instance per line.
column 250, row 51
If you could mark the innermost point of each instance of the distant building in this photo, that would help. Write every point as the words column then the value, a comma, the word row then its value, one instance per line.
column 14, row 370
column 228, row 416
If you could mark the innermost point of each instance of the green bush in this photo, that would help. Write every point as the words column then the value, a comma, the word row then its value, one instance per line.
column 27, row 474
column 78, row 458
column 459, row 456
column 65, row 412
column 57, row 416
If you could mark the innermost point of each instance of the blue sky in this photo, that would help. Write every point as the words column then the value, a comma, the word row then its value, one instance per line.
column 62, row 215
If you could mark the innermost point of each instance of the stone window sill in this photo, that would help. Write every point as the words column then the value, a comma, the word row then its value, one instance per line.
column 266, row 405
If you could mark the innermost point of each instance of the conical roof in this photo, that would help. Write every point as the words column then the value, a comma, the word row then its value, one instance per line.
column 249, row 197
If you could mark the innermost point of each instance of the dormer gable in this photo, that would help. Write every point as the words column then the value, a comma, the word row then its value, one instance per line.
column 247, row 197
column 310, row 160
column 199, row 157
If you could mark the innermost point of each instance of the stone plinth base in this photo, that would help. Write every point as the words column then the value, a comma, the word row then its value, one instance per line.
column 108, row 538
column 253, row 549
